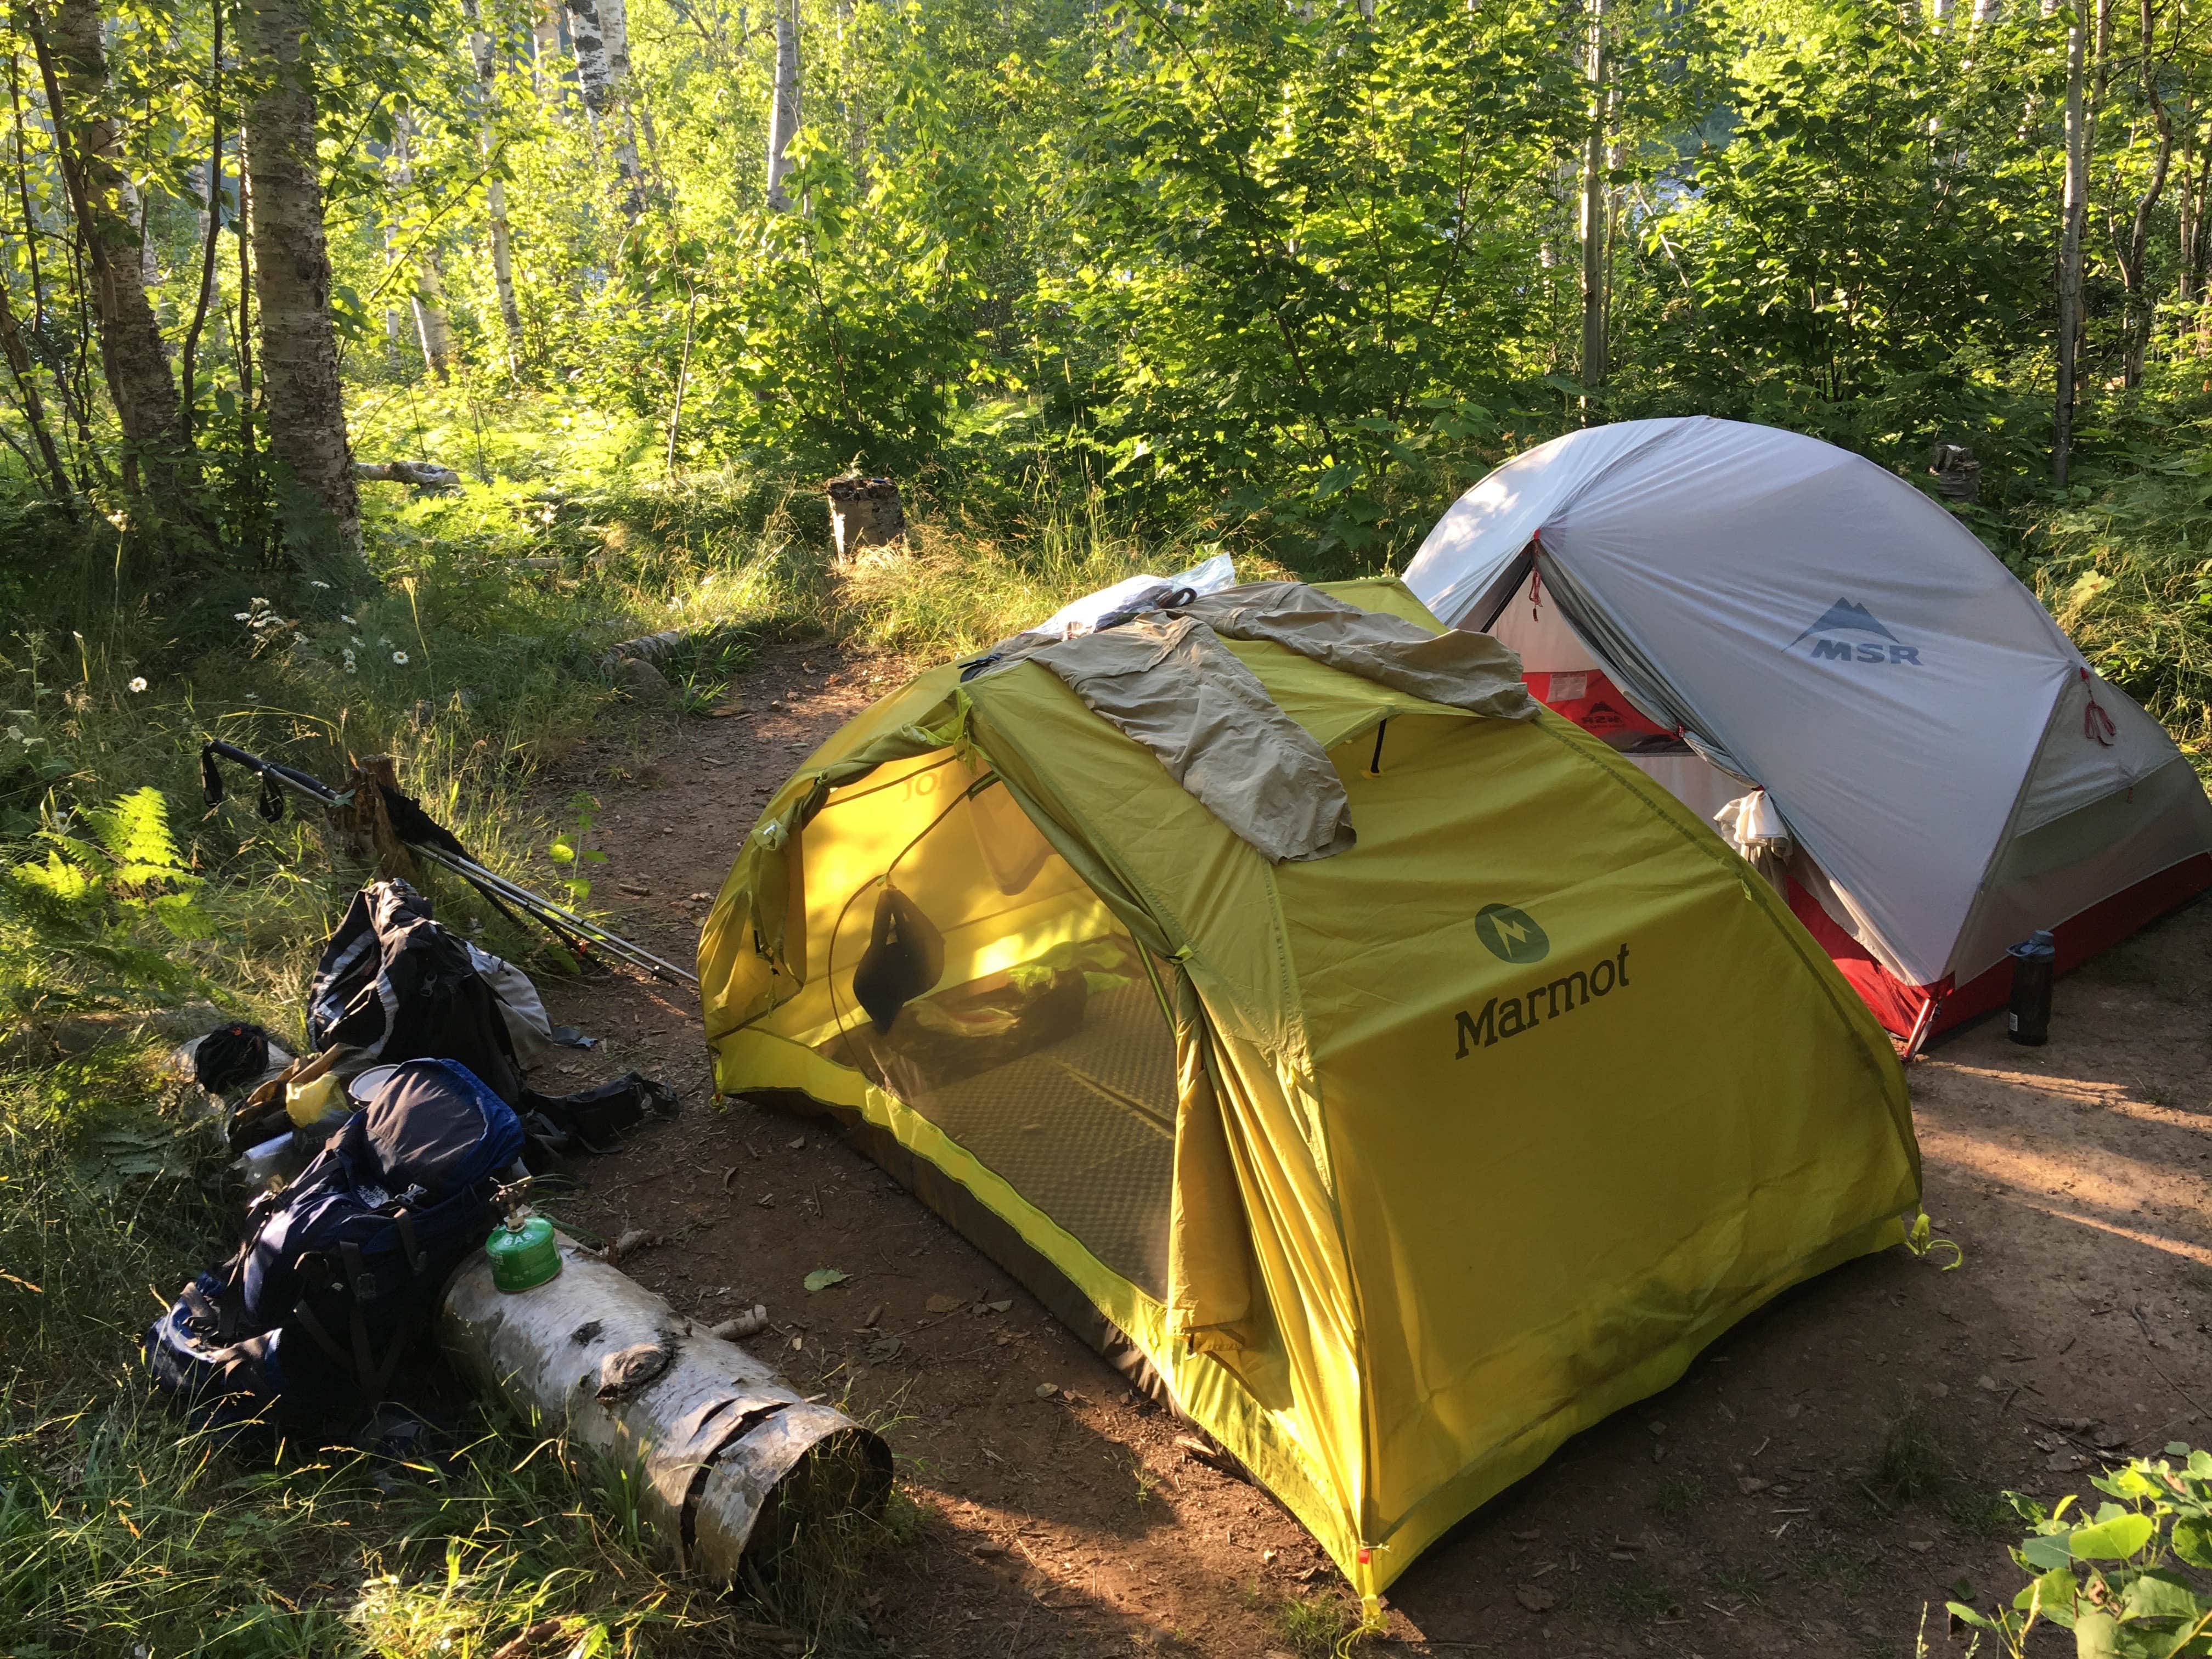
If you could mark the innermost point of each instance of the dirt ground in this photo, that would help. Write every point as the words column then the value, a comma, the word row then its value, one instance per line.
column 1823, row 1474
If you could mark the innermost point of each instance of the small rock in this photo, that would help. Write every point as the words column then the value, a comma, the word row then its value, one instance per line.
column 940, row 1304
column 1793, row 1408
column 1535, row 1598
column 640, row 682
column 798, row 1145
column 633, row 1240
column 1046, row 1390
column 1939, row 1391
column 988, row 1549
column 1987, row 1382
column 1750, row 1484
column 1659, row 1452
column 1920, row 1546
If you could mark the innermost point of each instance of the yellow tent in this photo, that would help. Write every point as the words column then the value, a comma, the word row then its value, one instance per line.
column 1396, row 1166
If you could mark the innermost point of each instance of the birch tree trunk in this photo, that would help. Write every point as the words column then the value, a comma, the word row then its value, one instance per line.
column 133, row 360
column 783, row 114
column 434, row 330
column 1594, row 217
column 2133, row 252
column 292, row 281
column 34, row 411
column 502, row 258
column 591, row 51
column 547, row 68
column 2069, row 250
column 614, row 41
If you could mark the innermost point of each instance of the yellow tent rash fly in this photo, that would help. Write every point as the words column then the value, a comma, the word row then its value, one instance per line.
column 1203, row 1104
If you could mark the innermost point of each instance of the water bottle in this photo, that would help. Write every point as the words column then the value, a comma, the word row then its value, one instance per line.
column 2033, row 961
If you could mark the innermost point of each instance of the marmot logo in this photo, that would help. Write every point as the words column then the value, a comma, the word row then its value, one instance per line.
column 1510, row 935
column 1504, row 1016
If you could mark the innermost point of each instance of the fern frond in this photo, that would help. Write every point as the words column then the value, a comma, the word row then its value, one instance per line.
column 134, row 831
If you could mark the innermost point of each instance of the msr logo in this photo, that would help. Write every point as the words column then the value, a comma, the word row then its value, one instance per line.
column 1510, row 935
column 1849, row 616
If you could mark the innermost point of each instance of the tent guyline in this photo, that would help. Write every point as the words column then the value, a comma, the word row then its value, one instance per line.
column 584, row 940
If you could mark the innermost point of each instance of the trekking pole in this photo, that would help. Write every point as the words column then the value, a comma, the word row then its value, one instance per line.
column 573, row 931
column 548, row 913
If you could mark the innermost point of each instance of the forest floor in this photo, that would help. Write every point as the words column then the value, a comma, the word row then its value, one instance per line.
column 1824, row 1473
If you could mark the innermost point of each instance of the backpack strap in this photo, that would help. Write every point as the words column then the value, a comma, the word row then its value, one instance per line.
column 407, row 1243
column 222, row 1316
column 371, row 1376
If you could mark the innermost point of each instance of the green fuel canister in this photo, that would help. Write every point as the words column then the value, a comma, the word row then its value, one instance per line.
column 524, row 1252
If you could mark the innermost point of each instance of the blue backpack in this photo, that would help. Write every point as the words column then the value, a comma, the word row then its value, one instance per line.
column 304, row 1326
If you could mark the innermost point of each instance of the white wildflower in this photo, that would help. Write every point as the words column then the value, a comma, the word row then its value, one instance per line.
column 298, row 639
column 347, row 620
column 15, row 734
column 350, row 666
column 241, row 615
column 139, row 684
column 316, row 584
column 399, row 657
column 358, row 640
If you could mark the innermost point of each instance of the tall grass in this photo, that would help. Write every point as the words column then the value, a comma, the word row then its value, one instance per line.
column 475, row 658
column 2128, row 573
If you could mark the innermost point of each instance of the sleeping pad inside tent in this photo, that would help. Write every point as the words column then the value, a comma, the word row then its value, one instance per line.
column 1391, row 1072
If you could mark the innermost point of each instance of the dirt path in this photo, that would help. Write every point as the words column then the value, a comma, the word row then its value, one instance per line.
column 1824, row 1472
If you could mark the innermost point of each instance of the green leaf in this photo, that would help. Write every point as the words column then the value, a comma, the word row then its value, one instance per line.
column 2053, row 1593
column 2159, row 1595
column 2114, row 1540
column 2096, row 1636
column 2192, row 1542
column 2047, row 1552
column 822, row 1277
column 1966, row 1615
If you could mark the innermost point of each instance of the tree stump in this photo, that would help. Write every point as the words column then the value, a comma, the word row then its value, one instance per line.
column 364, row 827
column 864, row 513
column 1957, row 475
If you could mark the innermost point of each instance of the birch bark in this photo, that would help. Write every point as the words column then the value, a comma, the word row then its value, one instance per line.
column 1594, row 216
column 307, row 426
column 136, row 365
column 433, row 330
column 783, row 114
column 503, row 257
column 2069, row 252
column 2134, row 249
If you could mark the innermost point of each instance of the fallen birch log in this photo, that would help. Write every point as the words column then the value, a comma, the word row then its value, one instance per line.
column 723, row 1448
column 422, row 475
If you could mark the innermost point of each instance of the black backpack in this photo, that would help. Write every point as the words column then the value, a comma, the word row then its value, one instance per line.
column 303, row 1326
column 395, row 984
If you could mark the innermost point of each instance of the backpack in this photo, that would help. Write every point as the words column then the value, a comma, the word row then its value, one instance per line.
column 304, row 1326
column 395, row 984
